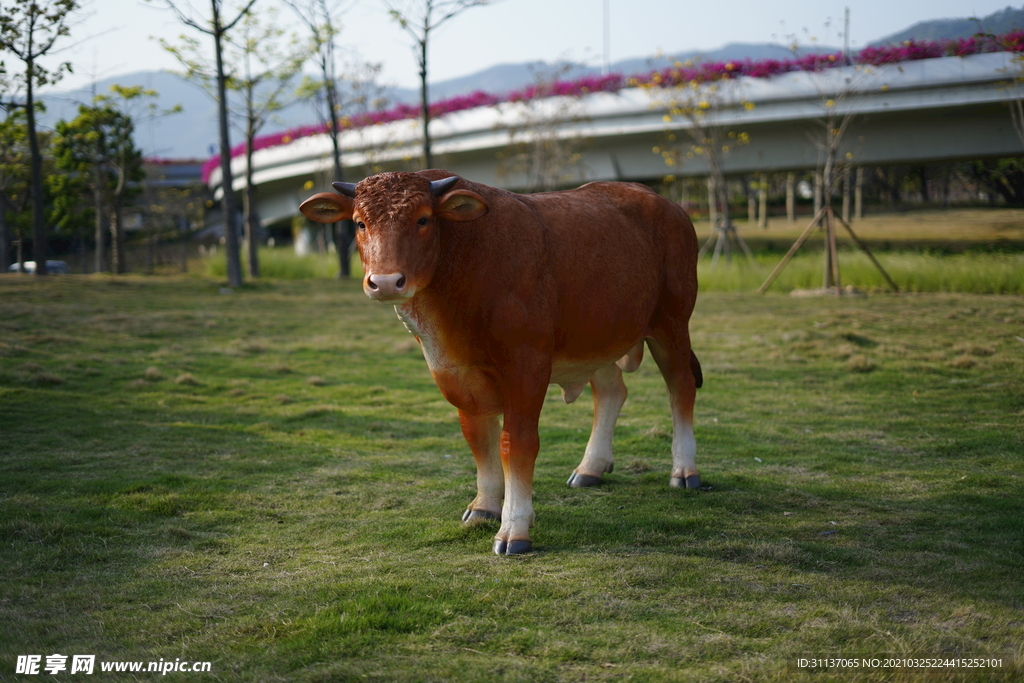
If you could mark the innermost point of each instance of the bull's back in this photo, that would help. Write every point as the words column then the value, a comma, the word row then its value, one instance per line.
column 611, row 248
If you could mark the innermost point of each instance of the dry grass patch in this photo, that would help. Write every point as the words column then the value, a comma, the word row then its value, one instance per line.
column 968, row 349
column 316, row 381
column 963, row 362
column 860, row 363
column 253, row 346
column 152, row 374
column 186, row 379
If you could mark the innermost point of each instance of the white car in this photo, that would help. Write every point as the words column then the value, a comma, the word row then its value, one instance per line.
column 54, row 267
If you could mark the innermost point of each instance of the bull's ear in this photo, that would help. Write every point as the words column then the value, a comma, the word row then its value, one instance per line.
column 327, row 207
column 461, row 205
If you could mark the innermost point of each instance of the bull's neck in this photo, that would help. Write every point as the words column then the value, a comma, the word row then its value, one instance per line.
column 460, row 257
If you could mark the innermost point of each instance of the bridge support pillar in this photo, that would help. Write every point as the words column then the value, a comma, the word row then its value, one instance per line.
column 751, row 201
column 762, row 196
column 791, row 197
column 858, row 194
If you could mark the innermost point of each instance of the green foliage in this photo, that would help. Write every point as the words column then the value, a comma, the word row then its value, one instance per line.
column 13, row 161
column 174, row 485
column 1002, row 176
column 99, row 146
column 71, row 211
column 29, row 29
column 59, row 193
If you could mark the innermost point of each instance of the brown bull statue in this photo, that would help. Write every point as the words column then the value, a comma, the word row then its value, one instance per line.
column 509, row 293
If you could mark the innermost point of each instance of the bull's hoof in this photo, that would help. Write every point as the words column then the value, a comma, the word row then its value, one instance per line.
column 579, row 481
column 471, row 516
column 690, row 482
column 512, row 547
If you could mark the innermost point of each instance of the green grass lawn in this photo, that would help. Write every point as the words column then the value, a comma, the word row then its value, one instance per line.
column 268, row 479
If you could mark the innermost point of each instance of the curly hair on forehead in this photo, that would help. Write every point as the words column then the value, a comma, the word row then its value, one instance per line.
column 389, row 196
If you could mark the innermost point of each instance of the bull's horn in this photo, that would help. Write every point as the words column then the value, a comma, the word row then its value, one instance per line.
column 347, row 189
column 439, row 187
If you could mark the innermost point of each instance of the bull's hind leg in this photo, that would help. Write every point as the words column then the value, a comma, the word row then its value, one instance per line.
column 681, row 371
column 483, row 434
column 609, row 395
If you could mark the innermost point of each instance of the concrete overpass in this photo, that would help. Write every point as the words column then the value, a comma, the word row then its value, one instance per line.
column 912, row 112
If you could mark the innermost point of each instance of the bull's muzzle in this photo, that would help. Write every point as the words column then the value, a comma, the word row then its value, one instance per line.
column 387, row 286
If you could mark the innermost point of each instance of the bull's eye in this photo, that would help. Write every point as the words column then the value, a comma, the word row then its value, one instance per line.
column 361, row 225
column 422, row 221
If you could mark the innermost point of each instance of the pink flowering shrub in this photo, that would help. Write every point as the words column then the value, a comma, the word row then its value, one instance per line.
column 673, row 76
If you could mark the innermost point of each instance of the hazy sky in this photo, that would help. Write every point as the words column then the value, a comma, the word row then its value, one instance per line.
column 115, row 36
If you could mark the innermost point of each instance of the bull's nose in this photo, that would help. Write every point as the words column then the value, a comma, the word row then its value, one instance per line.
column 384, row 286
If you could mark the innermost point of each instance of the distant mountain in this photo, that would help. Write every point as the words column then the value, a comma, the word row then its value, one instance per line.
column 191, row 133
column 1001, row 21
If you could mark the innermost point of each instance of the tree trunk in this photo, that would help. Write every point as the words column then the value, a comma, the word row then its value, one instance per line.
column 183, row 246
column 428, row 157
column 817, row 193
column 343, row 232
column 36, row 174
column 117, row 264
column 234, row 264
column 846, row 194
column 98, row 200
column 251, row 217
column 712, row 202
column 5, row 238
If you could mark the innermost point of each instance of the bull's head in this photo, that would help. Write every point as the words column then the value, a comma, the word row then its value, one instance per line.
column 397, row 226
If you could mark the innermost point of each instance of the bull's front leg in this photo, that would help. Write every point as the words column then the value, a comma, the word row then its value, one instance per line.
column 483, row 434
column 526, row 384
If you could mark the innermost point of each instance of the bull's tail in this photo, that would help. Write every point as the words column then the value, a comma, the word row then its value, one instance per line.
column 698, row 376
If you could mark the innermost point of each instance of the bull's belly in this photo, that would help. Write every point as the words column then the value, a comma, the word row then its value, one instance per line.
column 574, row 375
column 564, row 372
column 475, row 388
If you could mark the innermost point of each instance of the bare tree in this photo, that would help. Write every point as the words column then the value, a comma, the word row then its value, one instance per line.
column 337, row 93
column 419, row 18
column 545, row 147
column 217, row 27
column 29, row 29
column 838, row 91
column 704, row 105
column 260, row 71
